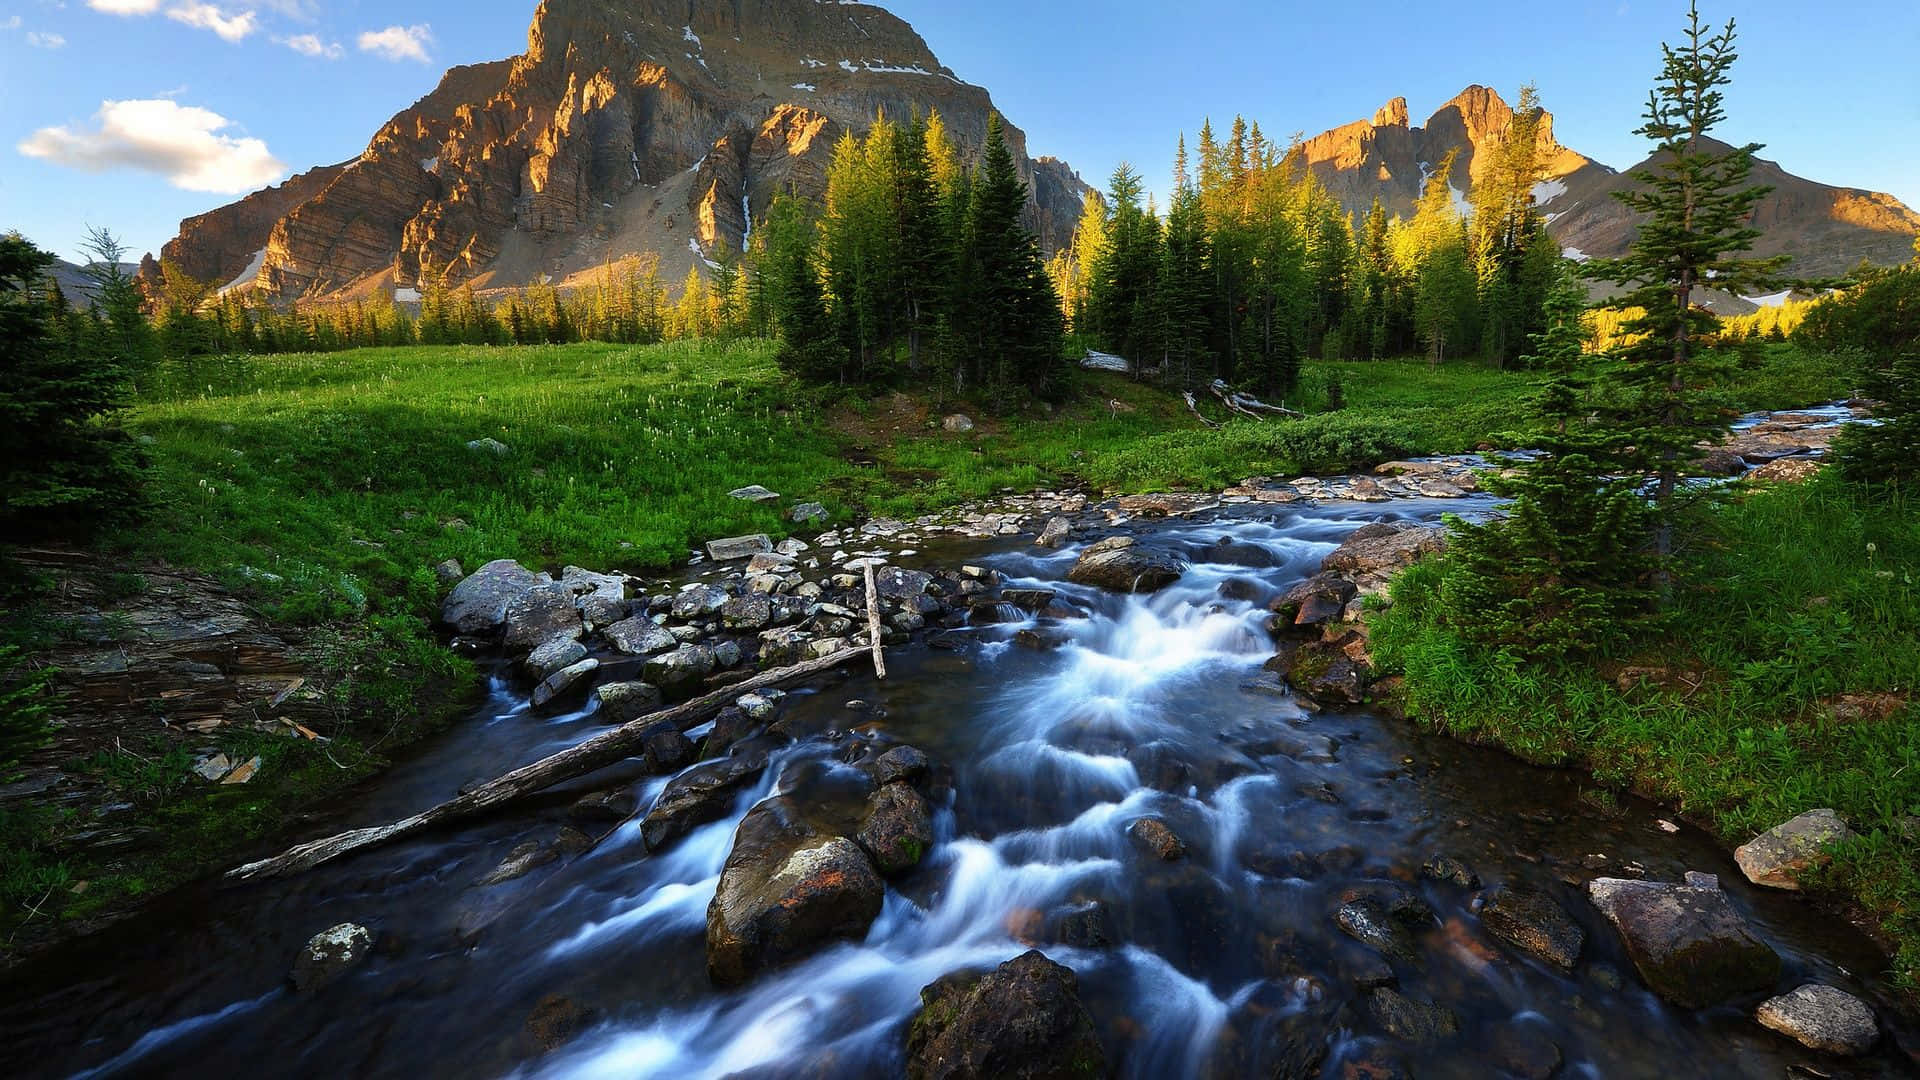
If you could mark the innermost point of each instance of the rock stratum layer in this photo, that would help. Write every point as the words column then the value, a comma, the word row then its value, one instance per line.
column 1828, row 230
column 628, row 126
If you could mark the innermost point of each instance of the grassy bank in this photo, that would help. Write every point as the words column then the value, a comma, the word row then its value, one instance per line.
column 1785, row 682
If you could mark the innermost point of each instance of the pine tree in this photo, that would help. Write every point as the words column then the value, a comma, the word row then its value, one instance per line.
column 809, row 348
column 1888, row 451
column 1696, row 207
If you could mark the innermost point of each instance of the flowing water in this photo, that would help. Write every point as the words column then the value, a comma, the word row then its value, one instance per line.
column 1149, row 706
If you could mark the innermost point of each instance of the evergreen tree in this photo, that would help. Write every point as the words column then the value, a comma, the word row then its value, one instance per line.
column 1696, row 207
column 126, row 336
column 809, row 348
column 1887, row 452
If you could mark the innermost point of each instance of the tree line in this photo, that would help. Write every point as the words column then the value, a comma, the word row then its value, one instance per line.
column 1255, row 268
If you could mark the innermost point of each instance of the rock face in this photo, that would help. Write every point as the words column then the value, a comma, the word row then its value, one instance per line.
column 1123, row 564
column 645, row 126
column 1822, row 1018
column 1686, row 940
column 1778, row 857
column 1021, row 1021
column 1826, row 228
column 787, row 889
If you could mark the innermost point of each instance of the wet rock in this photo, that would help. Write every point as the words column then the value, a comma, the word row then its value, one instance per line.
column 1326, row 673
column 1374, row 1063
column 1022, row 1021
column 1533, row 922
column 1779, row 857
column 1409, row 1019
column 787, row 890
column 539, row 615
column 1524, row 1051
column 524, row 859
column 1056, row 533
column 1084, row 926
column 898, row 584
column 1273, row 1034
column 330, row 954
column 556, row 654
column 1318, row 600
column 1822, row 1018
column 668, row 750
column 1040, row 640
column 1368, row 922
column 747, row 614
column 556, row 1020
column 1123, row 564
column 614, row 804
column 1687, row 942
column 557, row 686
column 739, row 547
column 478, row 605
column 1719, row 462
column 1370, row 558
column 700, row 602
column 624, row 702
column 640, row 637
column 698, row 796
column 1450, row 870
column 898, row 830
column 1029, row 600
column 902, row 763
column 680, row 669
column 1153, row 836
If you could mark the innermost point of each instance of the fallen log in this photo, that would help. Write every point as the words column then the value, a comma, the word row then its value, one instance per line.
column 596, row 753
column 1249, row 406
column 1194, row 408
column 873, row 624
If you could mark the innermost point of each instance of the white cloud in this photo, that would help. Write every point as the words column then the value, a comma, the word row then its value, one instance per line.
column 45, row 41
column 125, row 7
column 205, row 16
column 11, row 22
column 311, row 45
column 398, row 42
column 179, row 142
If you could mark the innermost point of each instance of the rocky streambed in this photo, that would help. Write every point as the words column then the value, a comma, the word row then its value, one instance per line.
column 1123, row 807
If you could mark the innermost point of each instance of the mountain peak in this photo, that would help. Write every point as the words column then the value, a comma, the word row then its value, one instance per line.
column 1392, row 114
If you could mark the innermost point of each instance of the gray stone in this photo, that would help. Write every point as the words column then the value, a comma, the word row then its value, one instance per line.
column 563, row 682
column 808, row 513
column 754, row 493
column 490, row 445
column 1057, row 532
column 1687, row 941
column 1022, row 1021
column 539, row 615
column 771, row 562
column 749, row 614
column 700, row 602
column 1122, row 564
column 957, row 423
column 1778, row 857
column 1822, row 1018
column 680, row 668
column 624, row 702
column 448, row 573
column 330, row 954
column 524, row 859
column 1406, row 1018
column 702, row 794
column 739, row 547
column 478, row 605
column 1532, row 921
column 895, row 583
column 898, row 830
column 787, row 891
column 556, row 654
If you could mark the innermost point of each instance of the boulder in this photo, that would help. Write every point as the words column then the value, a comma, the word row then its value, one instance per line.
column 329, row 955
column 448, row 573
column 1319, row 599
column 682, row 668
column 808, row 514
column 906, row 763
column 491, row 446
column 1157, row 839
column 898, row 830
column 698, row 796
column 1822, row 1018
column 1368, row 921
column 1021, row 1021
column 1719, row 462
column 787, row 889
column 1057, row 532
column 754, row 493
column 1448, row 869
column 556, row 654
column 1532, row 922
column 1033, row 601
column 558, row 685
column 539, row 615
column 667, row 749
column 613, row 804
column 524, row 859
column 1789, row 470
column 624, row 702
column 1779, row 857
column 739, row 547
column 896, row 583
column 747, row 614
column 1327, row 673
column 1372, row 554
column 957, row 423
column 1123, row 564
column 640, row 636
column 1688, row 943
column 1410, row 1019
column 700, row 602
column 478, row 605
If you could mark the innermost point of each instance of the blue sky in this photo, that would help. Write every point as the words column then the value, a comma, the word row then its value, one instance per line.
column 215, row 97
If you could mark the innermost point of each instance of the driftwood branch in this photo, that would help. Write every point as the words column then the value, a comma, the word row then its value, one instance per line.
column 596, row 753
column 873, row 623
column 1194, row 408
column 1249, row 406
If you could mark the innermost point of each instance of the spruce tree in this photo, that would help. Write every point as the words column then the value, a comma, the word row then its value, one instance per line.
column 1696, row 209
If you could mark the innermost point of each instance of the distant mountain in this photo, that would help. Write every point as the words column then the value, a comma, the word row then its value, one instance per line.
column 626, row 127
column 1827, row 229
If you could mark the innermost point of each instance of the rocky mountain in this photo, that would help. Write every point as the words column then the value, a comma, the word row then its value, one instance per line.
column 1827, row 229
column 627, row 126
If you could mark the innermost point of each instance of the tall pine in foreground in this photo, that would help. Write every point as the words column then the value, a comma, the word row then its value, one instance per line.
column 1564, row 571
column 1696, row 210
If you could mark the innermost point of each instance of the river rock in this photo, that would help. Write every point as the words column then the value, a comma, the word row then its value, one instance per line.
column 1688, row 943
column 559, row 653
column 1779, row 857
column 329, row 955
column 667, row 749
column 906, row 763
column 559, row 684
column 1789, row 470
column 1533, row 922
column 1320, row 599
column 1123, row 564
column 1021, row 1021
column 1370, row 557
column 811, row 513
column 613, row 804
column 899, row 584
column 1822, row 1018
column 1057, row 532
column 747, row 614
column 539, row 615
column 1368, row 921
column 624, row 702
column 1326, row 672
column 1719, row 462
column 1448, row 869
column 640, row 636
column 702, row 794
column 524, row 859
column 1409, row 1019
column 478, row 605
column 739, row 547
column 787, row 889
column 898, row 830
column 700, row 602
column 681, row 668
column 1157, row 839
column 555, row 1020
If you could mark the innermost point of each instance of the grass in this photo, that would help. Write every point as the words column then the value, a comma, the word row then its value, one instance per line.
column 1798, row 597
